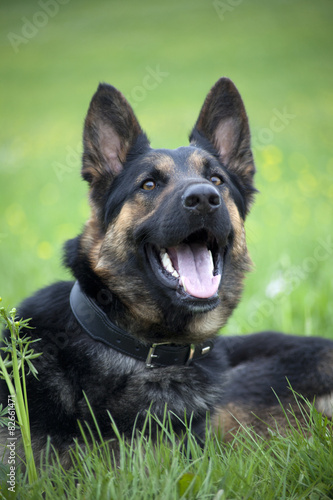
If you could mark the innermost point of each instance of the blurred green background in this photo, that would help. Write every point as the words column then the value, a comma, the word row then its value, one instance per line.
column 279, row 54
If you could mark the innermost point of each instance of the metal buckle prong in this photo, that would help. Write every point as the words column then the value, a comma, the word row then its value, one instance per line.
column 191, row 354
column 151, row 353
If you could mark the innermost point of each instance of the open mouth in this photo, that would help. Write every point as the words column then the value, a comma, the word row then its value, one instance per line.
column 193, row 267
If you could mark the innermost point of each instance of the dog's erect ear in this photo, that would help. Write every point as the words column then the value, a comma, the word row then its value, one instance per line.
column 110, row 131
column 223, row 122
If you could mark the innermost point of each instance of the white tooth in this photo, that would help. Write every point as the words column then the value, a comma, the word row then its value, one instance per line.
column 182, row 281
column 175, row 274
column 167, row 264
column 166, row 260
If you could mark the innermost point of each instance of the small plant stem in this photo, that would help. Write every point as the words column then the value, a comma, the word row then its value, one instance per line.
column 22, row 408
column 18, row 389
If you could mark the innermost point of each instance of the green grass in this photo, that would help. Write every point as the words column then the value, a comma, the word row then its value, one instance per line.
column 279, row 55
column 295, row 466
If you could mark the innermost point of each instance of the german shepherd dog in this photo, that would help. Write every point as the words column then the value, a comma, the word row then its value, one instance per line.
column 158, row 270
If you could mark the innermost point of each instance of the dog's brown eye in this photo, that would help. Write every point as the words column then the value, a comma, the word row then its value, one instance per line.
column 148, row 185
column 215, row 179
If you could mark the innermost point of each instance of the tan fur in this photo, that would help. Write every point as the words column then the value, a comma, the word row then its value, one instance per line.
column 113, row 253
column 92, row 239
column 196, row 162
column 239, row 249
column 231, row 418
column 160, row 161
column 205, row 326
column 117, row 238
column 165, row 163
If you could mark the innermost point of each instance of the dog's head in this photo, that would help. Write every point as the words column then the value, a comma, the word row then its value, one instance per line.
column 166, row 234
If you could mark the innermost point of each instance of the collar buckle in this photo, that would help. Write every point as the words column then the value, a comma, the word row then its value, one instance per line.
column 151, row 354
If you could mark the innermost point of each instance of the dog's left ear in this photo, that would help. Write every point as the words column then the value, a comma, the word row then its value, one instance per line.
column 224, row 123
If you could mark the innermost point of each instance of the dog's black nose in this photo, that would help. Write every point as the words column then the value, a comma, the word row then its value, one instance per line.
column 202, row 198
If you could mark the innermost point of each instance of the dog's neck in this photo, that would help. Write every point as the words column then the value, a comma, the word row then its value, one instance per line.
column 100, row 328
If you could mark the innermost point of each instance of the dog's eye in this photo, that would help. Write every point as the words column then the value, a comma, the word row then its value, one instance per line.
column 149, row 185
column 216, row 179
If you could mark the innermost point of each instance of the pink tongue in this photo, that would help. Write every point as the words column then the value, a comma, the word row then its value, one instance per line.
column 195, row 268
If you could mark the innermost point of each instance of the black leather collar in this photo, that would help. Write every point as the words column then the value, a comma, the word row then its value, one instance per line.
column 96, row 323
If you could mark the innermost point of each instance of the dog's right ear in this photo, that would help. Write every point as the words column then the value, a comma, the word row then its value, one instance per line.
column 111, row 129
column 224, row 123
